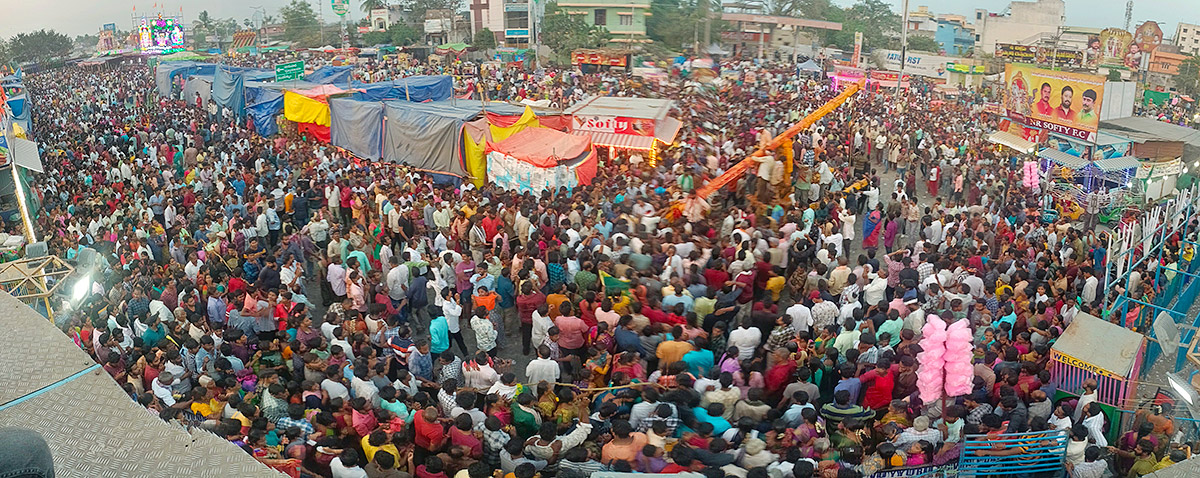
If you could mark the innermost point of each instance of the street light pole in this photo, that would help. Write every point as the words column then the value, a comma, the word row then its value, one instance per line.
column 903, row 50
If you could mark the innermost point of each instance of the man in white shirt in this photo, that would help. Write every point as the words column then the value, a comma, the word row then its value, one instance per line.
column 336, row 274
column 542, row 367
column 746, row 338
column 1090, row 284
column 162, row 388
column 801, row 316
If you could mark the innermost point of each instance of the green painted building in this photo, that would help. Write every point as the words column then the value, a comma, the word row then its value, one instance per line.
column 625, row 19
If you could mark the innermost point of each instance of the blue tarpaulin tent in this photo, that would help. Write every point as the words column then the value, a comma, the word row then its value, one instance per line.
column 412, row 88
column 228, row 90
column 264, row 101
column 330, row 75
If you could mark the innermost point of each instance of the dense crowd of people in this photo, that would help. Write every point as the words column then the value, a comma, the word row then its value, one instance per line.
column 343, row 319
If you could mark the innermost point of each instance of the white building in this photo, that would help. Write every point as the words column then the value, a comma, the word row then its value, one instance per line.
column 1187, row 38
column 1023, row 23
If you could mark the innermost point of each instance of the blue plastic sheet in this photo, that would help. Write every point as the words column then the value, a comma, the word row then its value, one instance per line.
column 412, row 88
column 228, row 91
column 357, row 126
column 330, row 75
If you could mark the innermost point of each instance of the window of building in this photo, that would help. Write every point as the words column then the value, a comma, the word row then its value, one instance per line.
column 979, row 15
column 626, row 20
column 976, row 37
column 601, row 17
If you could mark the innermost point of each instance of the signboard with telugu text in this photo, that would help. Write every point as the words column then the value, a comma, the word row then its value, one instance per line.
column 341, row 7
column 289, row 71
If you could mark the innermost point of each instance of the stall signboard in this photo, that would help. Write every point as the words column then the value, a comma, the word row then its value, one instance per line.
column 858, row 41
column 1148, row 170
column 1081, row 365
column 597, row 58
column 1061, row 102
column 1017, row 53
column 614, row 124
column 967, row 69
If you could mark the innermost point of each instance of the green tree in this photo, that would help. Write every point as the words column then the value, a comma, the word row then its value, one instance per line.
column 39, row 46
column 921, row 43
column 203, row 26
column 1188, row 79
column 484, row 39
column 300, row 24
column 87, row 40
column 1114, row 75
column 872, row 17
column 565, row 33
column 368, row 5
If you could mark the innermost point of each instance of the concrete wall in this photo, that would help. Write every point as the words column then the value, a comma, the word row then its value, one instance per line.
column 1026, row 21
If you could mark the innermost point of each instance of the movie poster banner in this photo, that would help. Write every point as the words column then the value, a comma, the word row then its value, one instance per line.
column 1057, row 101
column 1115, row 49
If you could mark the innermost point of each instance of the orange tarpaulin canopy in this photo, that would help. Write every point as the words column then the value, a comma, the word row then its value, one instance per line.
column 542, row 147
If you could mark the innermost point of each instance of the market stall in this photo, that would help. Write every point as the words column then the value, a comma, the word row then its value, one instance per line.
column 633, row 126
column 1075, row 358
column 534, row 160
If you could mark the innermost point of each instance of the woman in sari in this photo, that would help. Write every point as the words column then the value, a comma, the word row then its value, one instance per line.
column 598, row 366
column 806, row 434
column 872, row 228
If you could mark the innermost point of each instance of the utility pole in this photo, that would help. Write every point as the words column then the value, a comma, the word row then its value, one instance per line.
column 903, row 49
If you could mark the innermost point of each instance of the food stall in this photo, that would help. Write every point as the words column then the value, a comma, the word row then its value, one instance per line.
column 638, row 126
column 1075, row 358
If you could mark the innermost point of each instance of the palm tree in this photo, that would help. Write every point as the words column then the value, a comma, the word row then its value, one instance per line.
column 203, row 23
column 368, row 5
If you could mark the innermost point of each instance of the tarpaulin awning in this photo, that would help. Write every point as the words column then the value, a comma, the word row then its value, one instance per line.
column 1186, row 98
column 667, row 129
column 424, row 136
column 357, row 126
column 620, row 141
column 1117, row 164
column 321, row 92
column 25, row 154
column 411, row 88
column 329, row 75
column 808, row 65
column 228, row 90
column 542, row 147
column 302, row 109
column 1063, row 159
column 1011, row 140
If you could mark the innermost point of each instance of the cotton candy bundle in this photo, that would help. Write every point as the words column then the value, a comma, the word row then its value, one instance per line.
column 933, row 348
column 959, row 373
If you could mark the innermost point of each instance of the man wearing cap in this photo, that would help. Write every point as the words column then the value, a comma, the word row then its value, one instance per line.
column 216, row 307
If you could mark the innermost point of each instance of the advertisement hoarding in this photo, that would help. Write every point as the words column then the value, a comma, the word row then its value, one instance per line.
column 1115, row 49
column 1038, row 55
column 1058, row 101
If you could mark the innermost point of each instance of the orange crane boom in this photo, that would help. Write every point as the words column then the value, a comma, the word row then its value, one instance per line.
column 740, row 168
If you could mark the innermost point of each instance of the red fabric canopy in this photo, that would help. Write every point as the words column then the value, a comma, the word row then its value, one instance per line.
column 542, row 147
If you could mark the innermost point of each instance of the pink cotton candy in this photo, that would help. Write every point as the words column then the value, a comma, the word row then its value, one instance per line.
column 958, row 372
column 930, row 375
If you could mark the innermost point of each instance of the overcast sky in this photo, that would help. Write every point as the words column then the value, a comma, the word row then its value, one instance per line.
column 77, row 17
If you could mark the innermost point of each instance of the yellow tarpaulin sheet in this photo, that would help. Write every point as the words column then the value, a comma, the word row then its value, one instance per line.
column 528, row 120
column 476, row 159
column 302, row 109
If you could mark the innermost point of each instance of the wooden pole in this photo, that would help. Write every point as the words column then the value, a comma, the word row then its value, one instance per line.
column 736, row 171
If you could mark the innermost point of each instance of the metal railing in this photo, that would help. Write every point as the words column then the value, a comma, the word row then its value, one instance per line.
column 1013, row 453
